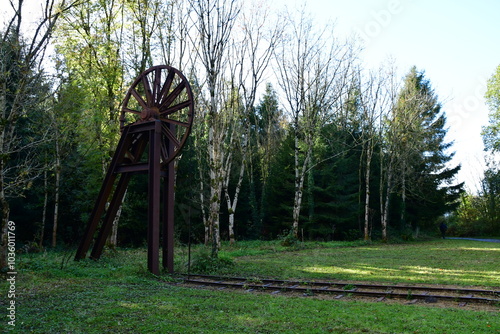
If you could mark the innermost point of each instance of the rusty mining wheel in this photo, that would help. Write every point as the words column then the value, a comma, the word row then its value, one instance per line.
column 161, row 92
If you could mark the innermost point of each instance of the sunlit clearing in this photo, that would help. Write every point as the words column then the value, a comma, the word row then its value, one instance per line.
column 406, row 273
column 482, row 249
column 466, row 249
column 131, row 305
column 338, row 270
column 248, row 320
column 465, row 275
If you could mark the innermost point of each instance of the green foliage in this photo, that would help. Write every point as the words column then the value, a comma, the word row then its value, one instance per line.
column 204, row 263
column 24, row 116
column 491, row 133
column 267, row 135
column 466, row 220
column 336, row 187
column 479, row 214
column 277, row 214
column 133, row 222
column 351, row 235
column 288, row 239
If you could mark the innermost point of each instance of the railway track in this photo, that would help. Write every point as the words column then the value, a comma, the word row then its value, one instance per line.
column 380, row 292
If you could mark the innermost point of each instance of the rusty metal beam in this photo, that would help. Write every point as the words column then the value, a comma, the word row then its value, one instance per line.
column 154, row 198
column 104, row 193
column 107, row 225
column 133, row 168
column 168, row 213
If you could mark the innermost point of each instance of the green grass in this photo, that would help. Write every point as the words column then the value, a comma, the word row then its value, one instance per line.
column 444, row 262
column 158, row 308
column 118, row 295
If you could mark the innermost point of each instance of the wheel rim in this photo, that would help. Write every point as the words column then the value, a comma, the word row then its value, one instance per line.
column 163, row 93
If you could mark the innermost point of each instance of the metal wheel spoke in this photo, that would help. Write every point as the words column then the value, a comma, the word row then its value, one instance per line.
column 172, row 96
column 171, row 137
column 157, row 85
column 147, row 90
column 175, row 108
column 166, row 87
column 131, row 110
column 161, row 92
column 139, row 98
column 173, row 121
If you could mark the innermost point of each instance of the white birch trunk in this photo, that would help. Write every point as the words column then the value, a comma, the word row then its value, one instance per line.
column 56, row 193
column 369, row 153
column 113, row 237
column 300, row 172
column 45, row 204
column 216, row 178
column 231, row 205
column 384, row 204
column 403, row 198
column 203, row 213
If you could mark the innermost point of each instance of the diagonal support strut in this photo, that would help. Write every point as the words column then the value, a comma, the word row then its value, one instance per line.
column 127, row 161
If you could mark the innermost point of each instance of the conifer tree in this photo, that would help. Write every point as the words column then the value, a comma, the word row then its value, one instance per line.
column 426, row 181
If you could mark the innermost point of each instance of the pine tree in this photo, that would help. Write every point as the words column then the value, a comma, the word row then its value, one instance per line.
column 277, row 216
column 426, row 186
column 267, row 132
column 336, row 186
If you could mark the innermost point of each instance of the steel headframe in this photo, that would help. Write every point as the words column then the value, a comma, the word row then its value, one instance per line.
column 155, row 130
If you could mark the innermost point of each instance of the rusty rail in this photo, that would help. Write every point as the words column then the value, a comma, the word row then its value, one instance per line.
column 429, row 294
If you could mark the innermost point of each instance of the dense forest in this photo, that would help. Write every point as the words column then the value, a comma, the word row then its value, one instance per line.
column 292, row 136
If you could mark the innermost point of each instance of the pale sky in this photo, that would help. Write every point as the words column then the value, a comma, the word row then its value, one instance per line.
column 456, row 43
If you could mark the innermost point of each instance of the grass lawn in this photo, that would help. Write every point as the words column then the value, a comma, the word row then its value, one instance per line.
column 117, row 295
column 453, row 262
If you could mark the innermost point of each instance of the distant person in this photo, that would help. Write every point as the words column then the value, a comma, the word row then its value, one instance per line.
column 443, row 228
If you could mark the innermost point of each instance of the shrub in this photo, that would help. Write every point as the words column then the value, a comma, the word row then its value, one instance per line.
column 288, row 239
column 204, row 263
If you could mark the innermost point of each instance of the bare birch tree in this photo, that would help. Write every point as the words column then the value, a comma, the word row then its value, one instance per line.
column 374, row 101
column 214, row 21
column 312, row 69
column 252, row 57
column 173, row 35
column 387, row 158
column 401, row 136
